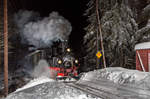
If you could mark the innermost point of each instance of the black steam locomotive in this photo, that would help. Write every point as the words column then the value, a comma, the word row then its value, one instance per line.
column 61, row 59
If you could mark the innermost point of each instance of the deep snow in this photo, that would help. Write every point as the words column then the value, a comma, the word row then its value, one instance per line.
column 46, row 88
column 119, row 75
column 129, row 84
column 144, row 45
column 35, row 82
column 125, row 83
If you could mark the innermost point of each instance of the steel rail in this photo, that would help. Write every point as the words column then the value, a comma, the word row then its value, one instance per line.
column 119, row 87
column 83, row 89
column 95, row 92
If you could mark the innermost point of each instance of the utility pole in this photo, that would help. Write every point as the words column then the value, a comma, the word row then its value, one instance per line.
column 5, row 48
column 97, row 48
column 100, row 31
column 0, row 35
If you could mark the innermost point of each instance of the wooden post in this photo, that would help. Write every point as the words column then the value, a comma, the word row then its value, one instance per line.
column 100, row 31
column 0, row 38
column 97, row 48
column 5, row 48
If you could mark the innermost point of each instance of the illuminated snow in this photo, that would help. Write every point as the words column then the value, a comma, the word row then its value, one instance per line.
column 45, row 88
column 35, row 82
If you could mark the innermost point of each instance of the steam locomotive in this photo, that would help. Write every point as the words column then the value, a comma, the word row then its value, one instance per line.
column 62, row 60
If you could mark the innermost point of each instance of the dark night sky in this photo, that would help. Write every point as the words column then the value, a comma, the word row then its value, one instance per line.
column 72, row 10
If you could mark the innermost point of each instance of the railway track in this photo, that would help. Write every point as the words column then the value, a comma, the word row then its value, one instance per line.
column 108, row 90
column 95, row 92
column 128, row 91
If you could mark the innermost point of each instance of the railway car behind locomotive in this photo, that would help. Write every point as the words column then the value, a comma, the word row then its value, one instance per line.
column 62, row 60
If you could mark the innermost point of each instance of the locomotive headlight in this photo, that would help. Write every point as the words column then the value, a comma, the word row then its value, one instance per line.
column 76, row 61
column 68, row 49
column 59, row 61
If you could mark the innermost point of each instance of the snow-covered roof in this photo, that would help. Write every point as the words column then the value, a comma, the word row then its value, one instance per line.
column 145, row 45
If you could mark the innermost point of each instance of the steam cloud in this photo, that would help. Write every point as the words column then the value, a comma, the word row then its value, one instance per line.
column 41, row 32
column 42, row 69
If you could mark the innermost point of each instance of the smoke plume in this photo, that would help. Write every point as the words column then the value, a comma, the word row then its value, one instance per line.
column 42, row 69
column 40, row 32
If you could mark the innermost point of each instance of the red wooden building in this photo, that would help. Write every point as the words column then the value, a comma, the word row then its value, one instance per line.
column 143, row 56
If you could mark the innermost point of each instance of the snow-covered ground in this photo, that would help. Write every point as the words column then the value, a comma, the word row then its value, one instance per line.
column 111, row 82
column 45, row 88
column 35, row 82
column 119, row 75
column 131, row 84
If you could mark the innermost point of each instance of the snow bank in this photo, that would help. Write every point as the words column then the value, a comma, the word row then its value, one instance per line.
column 67, row 80
column 36, row 82
column 82, row 96
column 117, row 81
column 45, row 88
column 120, row 76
